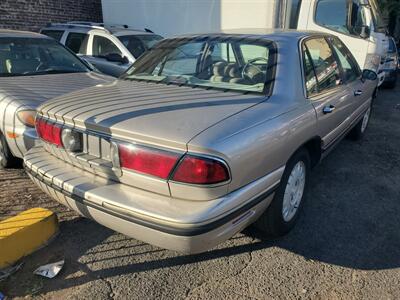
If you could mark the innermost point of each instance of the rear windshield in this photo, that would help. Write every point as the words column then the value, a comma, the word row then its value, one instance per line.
column 224, row 62
column 35, row 56
column 138, row 44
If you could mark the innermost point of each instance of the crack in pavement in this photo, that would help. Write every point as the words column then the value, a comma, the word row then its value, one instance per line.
column 190, row 292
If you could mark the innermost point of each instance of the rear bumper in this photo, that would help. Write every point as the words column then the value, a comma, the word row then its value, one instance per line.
column 185, row 226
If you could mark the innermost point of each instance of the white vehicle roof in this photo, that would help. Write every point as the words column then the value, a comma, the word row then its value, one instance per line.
column 117, row 30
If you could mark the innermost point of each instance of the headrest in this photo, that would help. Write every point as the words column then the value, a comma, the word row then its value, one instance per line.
column 219, row 68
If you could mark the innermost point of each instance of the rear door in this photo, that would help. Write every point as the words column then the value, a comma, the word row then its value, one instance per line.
column 326, row 89
column 361, row 91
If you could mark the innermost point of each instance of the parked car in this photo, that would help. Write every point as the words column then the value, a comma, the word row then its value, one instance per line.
column 391, row 65
column 111, row 49
column 33, row 68
column 203, row 136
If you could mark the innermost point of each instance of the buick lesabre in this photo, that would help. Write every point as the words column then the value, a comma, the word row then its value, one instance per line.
column 203, row 136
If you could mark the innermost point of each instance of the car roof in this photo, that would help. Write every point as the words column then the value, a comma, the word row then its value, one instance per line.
column 259, row 33
column 22, row 34
column 117, row 30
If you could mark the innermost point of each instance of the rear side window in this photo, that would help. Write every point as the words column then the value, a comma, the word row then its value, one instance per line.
column 350, row 68
column 309, row 74
column 55, row 34
column 77, row 42
column 324, row 64
column 102, row 47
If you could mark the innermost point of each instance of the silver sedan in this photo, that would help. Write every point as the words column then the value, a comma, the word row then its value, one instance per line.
column 203, row 136
column 33, row 69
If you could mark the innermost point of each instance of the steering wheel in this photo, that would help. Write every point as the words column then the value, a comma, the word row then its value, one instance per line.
column 251, row 62
column 41, row 67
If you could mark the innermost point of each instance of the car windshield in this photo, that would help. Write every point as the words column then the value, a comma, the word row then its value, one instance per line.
column 223, row 62
column 138, row 44
column 36, row 56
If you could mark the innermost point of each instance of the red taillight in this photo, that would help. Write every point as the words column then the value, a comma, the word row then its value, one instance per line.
column 199, row 170
column 49, row 132
column 154, row 162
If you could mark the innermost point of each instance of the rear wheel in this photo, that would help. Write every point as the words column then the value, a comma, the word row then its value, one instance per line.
column 282, row 214
column 357, row 133
column 7, row 160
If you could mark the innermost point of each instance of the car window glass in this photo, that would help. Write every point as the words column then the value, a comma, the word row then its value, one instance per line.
column 309, row 74
column 349, row 16
column 325, row 64
column 324, row 15
column 251, row 52
column 32, row 56
column 103, row 46
column 138, row 44
column 182, row 60
column 223, row 52
column 349, row 66
column 202, row 62
column 77, row 42
column 55, row 34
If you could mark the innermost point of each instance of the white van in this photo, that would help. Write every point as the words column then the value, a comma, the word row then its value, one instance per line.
column 358, row 23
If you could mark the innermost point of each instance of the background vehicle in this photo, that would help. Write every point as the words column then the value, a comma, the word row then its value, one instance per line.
column 391, row 65
column 204, row 135
column 111, row 49
column 33, row 68
column 358, row 23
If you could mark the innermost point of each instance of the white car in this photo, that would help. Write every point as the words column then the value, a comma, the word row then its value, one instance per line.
column 111, row 49
column 33, row 68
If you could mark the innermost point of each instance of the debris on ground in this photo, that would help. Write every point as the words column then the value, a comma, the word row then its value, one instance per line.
column 49, row 270
column 4, row 273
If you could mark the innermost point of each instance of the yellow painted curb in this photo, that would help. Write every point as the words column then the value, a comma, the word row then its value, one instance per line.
column 25, row 233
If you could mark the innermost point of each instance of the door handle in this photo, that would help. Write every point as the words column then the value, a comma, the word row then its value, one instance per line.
column 358, row 93
column 328, row 109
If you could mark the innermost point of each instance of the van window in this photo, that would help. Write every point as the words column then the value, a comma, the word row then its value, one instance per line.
column 103, row 46
column 77, row 42
column 325, row 65
column 55, row 34
column 348, row 16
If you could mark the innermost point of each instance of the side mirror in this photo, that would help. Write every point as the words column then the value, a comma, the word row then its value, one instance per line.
column 116, row 57
column 369, row 75
column 365, row 32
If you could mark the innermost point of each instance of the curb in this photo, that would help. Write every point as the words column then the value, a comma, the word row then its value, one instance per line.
column 24, row 233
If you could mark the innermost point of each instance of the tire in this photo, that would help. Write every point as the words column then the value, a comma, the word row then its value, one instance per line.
column 276, row 221
column 7, row 160
column 358, row 132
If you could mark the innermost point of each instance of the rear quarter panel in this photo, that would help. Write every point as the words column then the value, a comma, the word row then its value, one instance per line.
column 258, row 141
